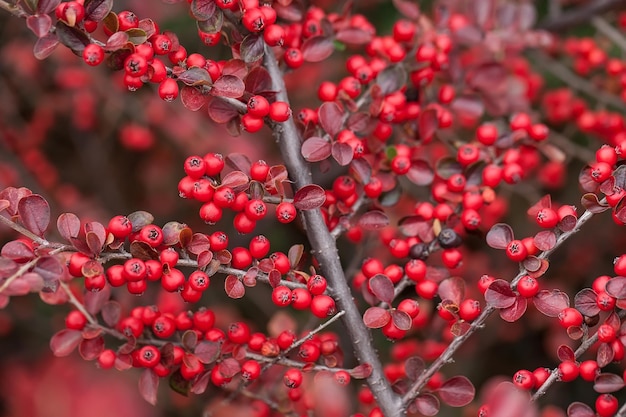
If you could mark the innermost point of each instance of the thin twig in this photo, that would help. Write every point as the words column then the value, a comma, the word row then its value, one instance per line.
column 15, row 10
column 580, row 15
column 24, row 231
column 609, row 31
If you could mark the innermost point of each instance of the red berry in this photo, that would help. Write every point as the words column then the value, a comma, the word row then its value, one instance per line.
column 280, row 111
column 323, row 306
column 286, row 212
column 281, row 296
column 292, row 378
column 568, row 371
column 570, row 317
column 258, row 106
column 524, row 379
column 528, row 286
column 606, row 405
column 516, row 251
column 93, row 54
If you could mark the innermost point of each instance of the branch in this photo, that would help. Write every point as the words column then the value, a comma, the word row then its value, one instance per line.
column 580, row 15
column 325, row 250
column 13, row 9
column 24, row 231
column 458, row 341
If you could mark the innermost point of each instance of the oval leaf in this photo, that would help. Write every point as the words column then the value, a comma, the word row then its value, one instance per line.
column 229, row 86
column 605, row 355
column 361, row 371
column 317, row 48
column 577, row 409
column 420, row 173
column 39, row 24
column 545, row 240
column 413, row 367
column 234, row 288
column 591, row 203
column 551, row 302
column 34, row 213
column 566, row 353
column 149, row 386
column 382, row 288
column 68, row 225
column 401, row 320
column 342, row 153
column 207, row 352
column 427, row 404
column 457, row 391
column 585, row 302
column 499, row 236
column 616, row 287
column 452, row 289
column 65, row 341
column 330, row 117
column 316, row 149
column 607, row 383
column 499, row 294
column 373, row 220
column 376, row 317
column 515, row 311
column 309, row 197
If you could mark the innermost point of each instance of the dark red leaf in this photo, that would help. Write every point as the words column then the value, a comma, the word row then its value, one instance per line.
column 427, row 404
column 545, row 240
column 196, row 77
column 447, row 166
column 452, row 289
column 198, row 244
column 252, row 48
column 203, row 9
column 354, row 36
column 39, row 24
column 376, row 317
column 213, row 24
column 361, row 371
column 72, row 37
column 309, row 197
column 235, row 67
column 373, row 220
column 416, row 226
column 34, row 213
column 234, row 288
column 551, row 302
column 220, row 111
column 46, row 6
column 359, row 122
column 577, row 409
column 591, row 203
column 585, row 302
column 139, row 219
column 172, row 232
column 95, row 300
column 207, row 352
column 143, row 251
column 620, row 210
column 199, row 385
column 567, row 223
column 295, row 254
column 407, row 8
column 49, row 267
column 536, row 267
column 413, row 367
column 330, row 117
column 606, row 383
column 420, row 173
column 229, row 86
column 382, row 287
column 68, row 225
column 499, row 236
column 189, row 340
column 575, row 332
column 391, row 79
column 274, row 277
column 616, row 287
column 258, row 81
column 401, row 320
column 90, row 349
column 565, row 353
column 468, row 107
column 65, row 341
column 515, row 311
column 236, row 180
column 149, row 386
column 342, row 153
column 316, row 149
column 499, row 294
column 96, row 10
column 585, row 180
column 605, row 355
column 192, row 98
column 427, row 125
column 17, row 251
column 238, row 162
column 362, row 170
column 111, row 313
column 317, row 48
column 457, row 391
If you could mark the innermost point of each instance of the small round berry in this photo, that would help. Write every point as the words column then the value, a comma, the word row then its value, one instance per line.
column 524, row 379
column 293, row 378
column 279, row 111
column 286, row 212
column 570, row 317
column 323, row 306
column 93, row 54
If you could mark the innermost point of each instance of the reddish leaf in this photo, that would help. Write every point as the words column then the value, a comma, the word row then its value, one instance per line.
column 373, row 220
column 354, row 36
column 606, row 383
column 585, row 180
column 585, row 302
column 90, row 349
column 65, row 341
column 362, row 170
column 500, row 295
column 195, row 77
column 457, row 391
column 420, row 173
column 545, row 240
column 536, row 267
column 258, row 81
column 427, row 124
column 515, row 311
column 95, row 300
column 49, row 267
column 172, row 232
column 68, row 225
column 17, row 251
column 407, row 8
column 235, row 67
column 251, row 49
column 499, row 236
column 229, row 86
column 605, row 355
column 426, row 404
column 565, row 353
column 401, row 320
column 229, row 367
column 72, row 37
column 189, row 340
column 452, row 289
column 620, row 210
column 382, row 287
column 575, row 332
column 361, row 371
column 34, row 213
column 213, row 24
column 413, row 367
column 234, row 288
column 416, row 226
column 46, row 6
column 591, row 203
column 342, row 153
column 376, row 317
column 96, row 10
column 143, row 251
column 274, row 277
column 199, row 385
column 149, row 385
column 236, row 180
column 207, row 352
column 238, row 162
column 448, row 166
column 317, row 48
column 139, row 219
column 330, row 117
column 616, row 287
column 295, row 254
column 220, row 111
column 316, row 149
column 391, row 79
column 40, row 24
column 111, row 313
column 577, row 409
column 551, row 302
column 192, row 98
column 203, row 9
column 309, row 197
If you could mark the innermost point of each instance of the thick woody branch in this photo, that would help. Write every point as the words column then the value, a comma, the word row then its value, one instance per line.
column 580, row 15
column 325, row 250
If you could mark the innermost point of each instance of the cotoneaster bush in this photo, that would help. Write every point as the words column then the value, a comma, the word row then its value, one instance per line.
column 411, row 220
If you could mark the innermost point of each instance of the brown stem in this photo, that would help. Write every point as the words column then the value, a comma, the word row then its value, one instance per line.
column 13, row 9
column 325, row 250
column 458, row 341
column 580, row 15
column 24, row 231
